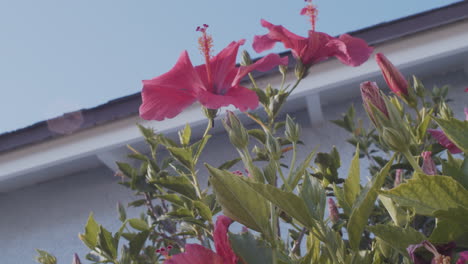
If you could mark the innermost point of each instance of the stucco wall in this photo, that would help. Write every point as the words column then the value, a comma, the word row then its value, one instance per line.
column 50, row 215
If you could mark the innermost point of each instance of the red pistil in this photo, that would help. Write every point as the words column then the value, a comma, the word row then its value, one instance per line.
column 206, row 45
column 311, row 11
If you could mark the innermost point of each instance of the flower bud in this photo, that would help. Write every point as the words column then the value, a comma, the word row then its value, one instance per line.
column 76, row 259
column 395, row 140
column 398, row 177
column 428, row 166
column 246, row 59
column 210, row 113
column 300, row 69
column 283, row 69
column 238, row 135
column 372, row 99
column 333, row 211
column 395, row 80
column 393, row 77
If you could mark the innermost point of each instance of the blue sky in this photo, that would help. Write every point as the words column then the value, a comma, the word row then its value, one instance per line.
column 59, row 56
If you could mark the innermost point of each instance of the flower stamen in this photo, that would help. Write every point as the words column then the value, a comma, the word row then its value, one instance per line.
column 205, row 43
column 311, row 11
column 165, row 252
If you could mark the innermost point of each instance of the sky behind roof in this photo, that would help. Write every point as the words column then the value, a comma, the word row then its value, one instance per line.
column 61, row 56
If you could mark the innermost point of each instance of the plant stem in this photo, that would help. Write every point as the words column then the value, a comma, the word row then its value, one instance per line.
column 412, row 161
column 274, row 226
column 252, row 79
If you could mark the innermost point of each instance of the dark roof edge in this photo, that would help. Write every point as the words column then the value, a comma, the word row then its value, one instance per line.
column 127, row 106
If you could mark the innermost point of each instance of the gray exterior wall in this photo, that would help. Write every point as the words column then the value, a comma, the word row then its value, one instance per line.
column 50, row 215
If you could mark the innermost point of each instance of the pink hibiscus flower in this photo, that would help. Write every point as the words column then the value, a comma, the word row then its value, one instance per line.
column 197, row 254
column 317, row 46
column 214, row 84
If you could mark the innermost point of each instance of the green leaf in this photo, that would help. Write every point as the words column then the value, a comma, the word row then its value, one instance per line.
column 203, row 210
column 138, row 224
column 397, row 237
column 398, row 215
column 91, row 232
column 239, row 201
column 352, row 185
column 457, row 215
column 290, row 203
column 314, row 197
column 228, row 164
column 183, row 155
column 122, row 213
column 429, row 193
column 340, row 197
column 301, row 170
column 446, row 231
column 179, row 185
column 251, row 250
column 137, row 243
column 45, row 257
column 184, row 135
column 456, row 168
column 258, row 134
column 456, row 131
column 172, row 198
column 106, row 243
column 364, row 205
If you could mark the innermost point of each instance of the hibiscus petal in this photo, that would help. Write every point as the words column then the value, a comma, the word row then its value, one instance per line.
column 195, row 254
column 221, row 240
column 241, row 97
column 223, row 67
column 278, row 34
column 444, row 141
column 264, row 64
column 463, row 259
column 167, row 95
column 349, row 50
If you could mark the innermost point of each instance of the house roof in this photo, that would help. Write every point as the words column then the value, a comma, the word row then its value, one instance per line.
column 128, row 106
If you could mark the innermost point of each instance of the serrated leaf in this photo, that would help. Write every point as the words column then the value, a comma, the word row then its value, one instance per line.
column 122, row 213
column 106, row 243
column 314, row 197
column 301, row 170
column 137, row 243
column 251, row 250
column 173, row 198
column 183, row 155
column 184, row 135
column 429, row 193
column 398, row 215
column 203, row 210
column 179, row 185
column 90, row 235
column 456, row 130
column 138, row 224
column 228, row 164
column 446, row 231
column 258, row 134
column 290, row 203
column 239, row 201
column 364, row 205
column 397, row 237
column 340, row 197
column 352, row 185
